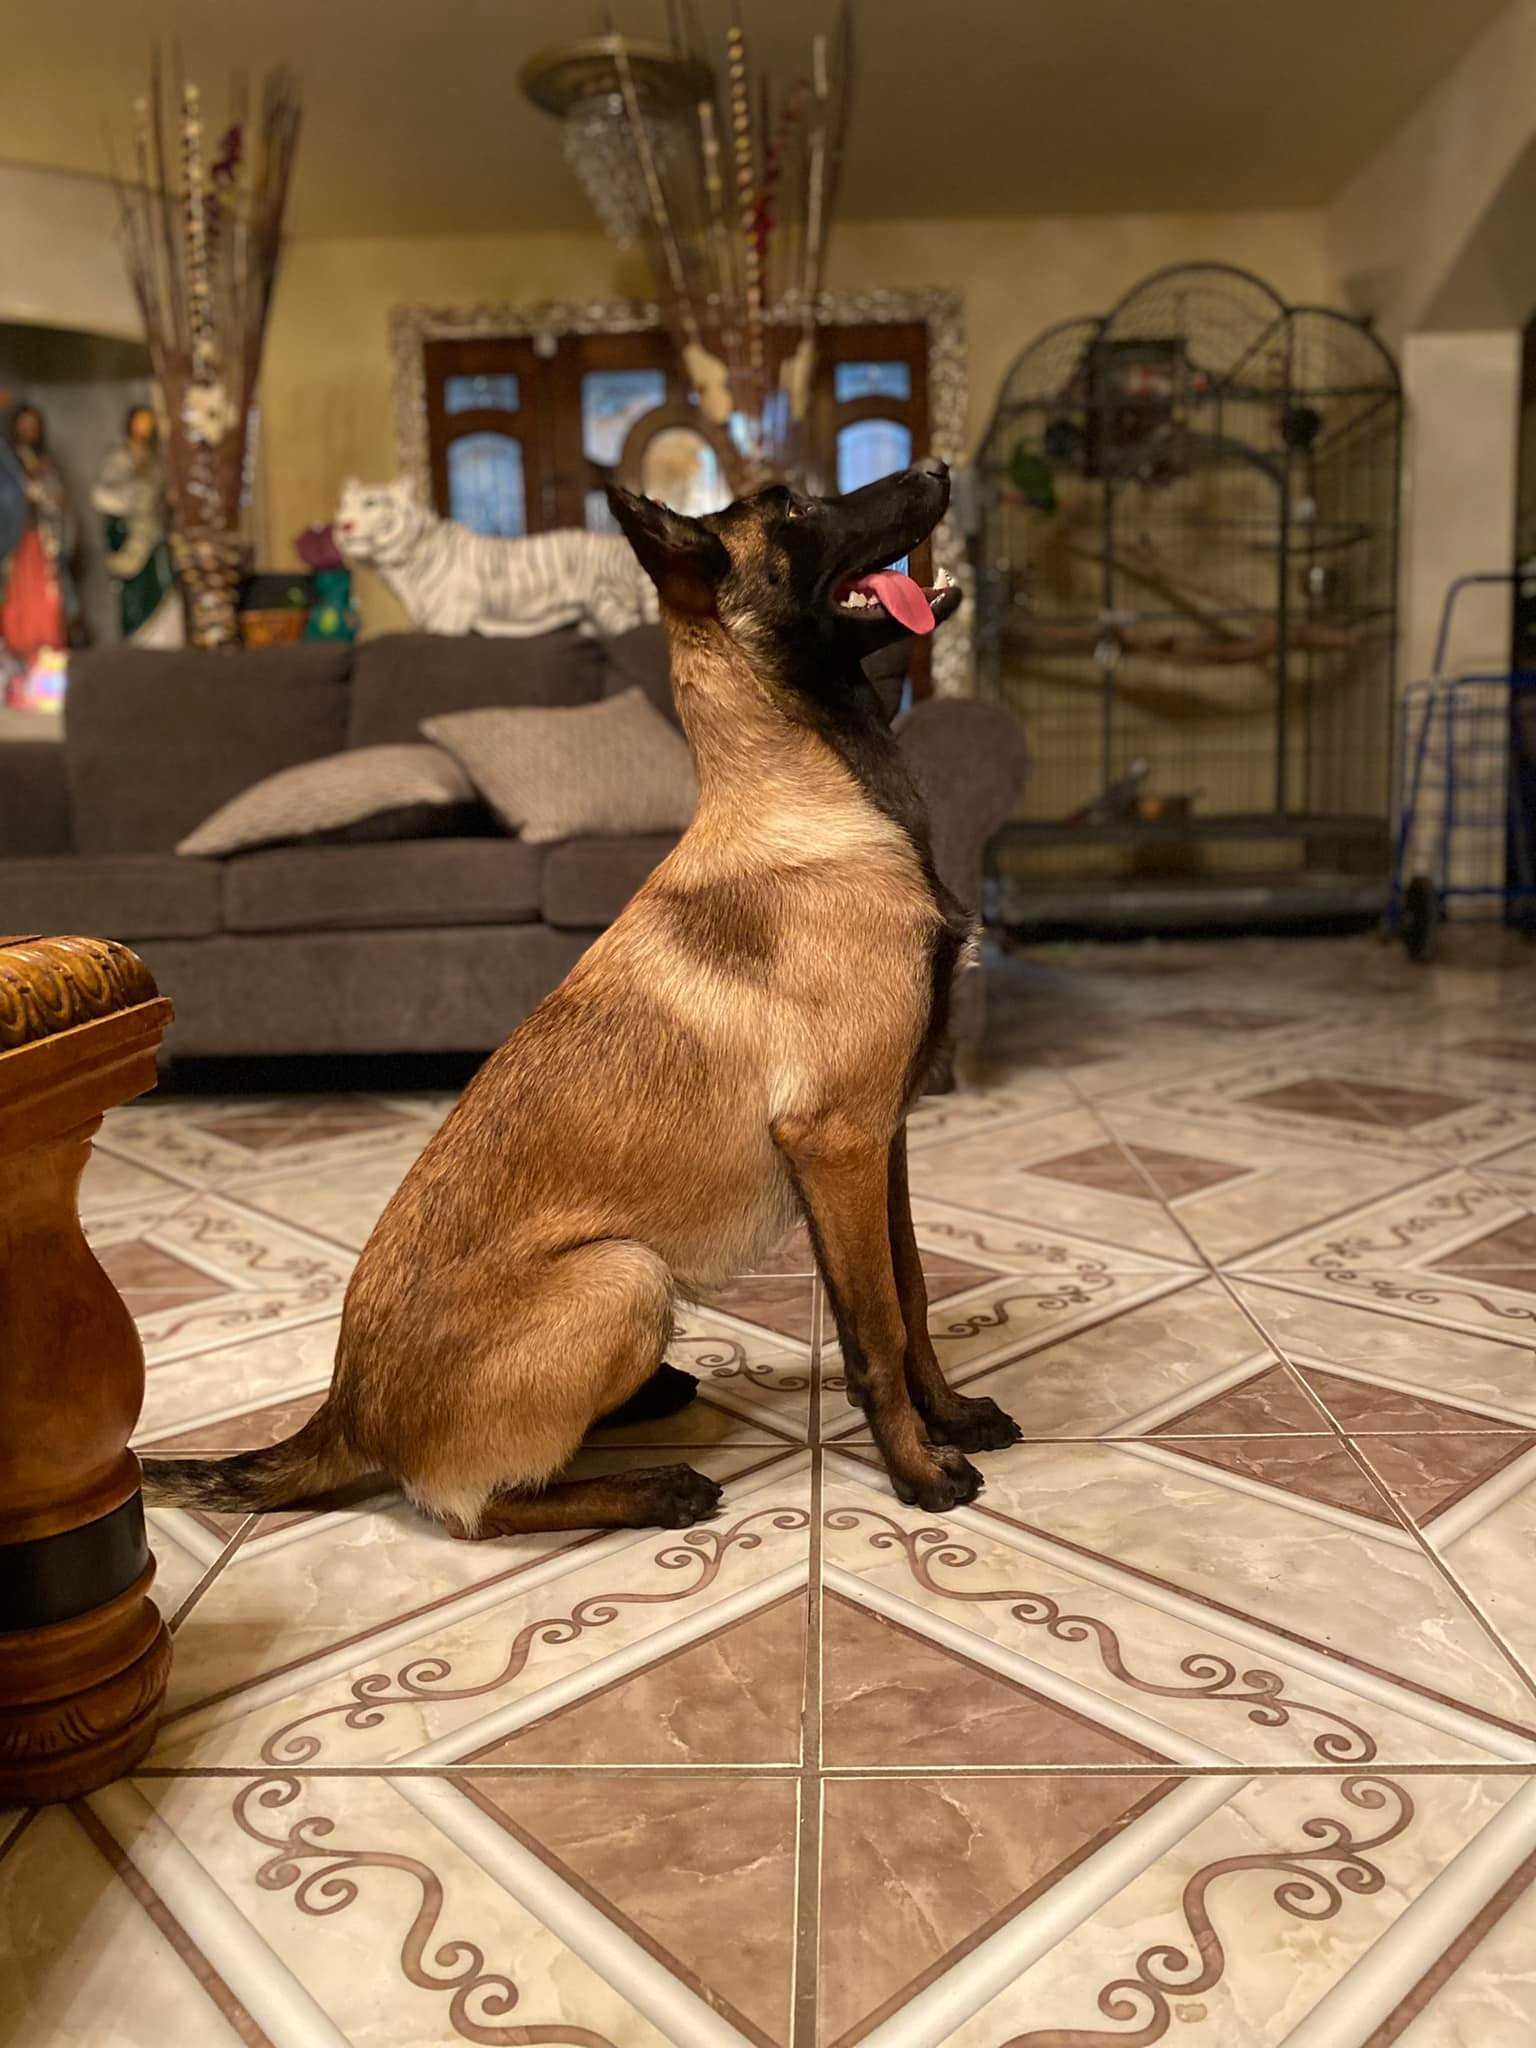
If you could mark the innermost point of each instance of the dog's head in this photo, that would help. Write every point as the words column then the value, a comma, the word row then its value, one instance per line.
column 797, row 577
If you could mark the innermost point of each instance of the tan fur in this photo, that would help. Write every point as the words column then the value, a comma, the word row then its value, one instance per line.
column 740, row 1040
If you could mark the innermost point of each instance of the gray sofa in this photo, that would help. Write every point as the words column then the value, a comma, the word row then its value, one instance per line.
column 423, row 945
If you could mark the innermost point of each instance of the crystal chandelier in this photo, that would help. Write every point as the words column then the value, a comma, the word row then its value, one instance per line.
column 730, row 193
column 582, row 83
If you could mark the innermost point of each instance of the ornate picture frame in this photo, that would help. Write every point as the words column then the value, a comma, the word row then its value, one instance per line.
column 940, row 312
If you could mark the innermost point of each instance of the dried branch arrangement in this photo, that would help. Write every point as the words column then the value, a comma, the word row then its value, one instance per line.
column 748, row 225
column 728, row 180
column 202, row 221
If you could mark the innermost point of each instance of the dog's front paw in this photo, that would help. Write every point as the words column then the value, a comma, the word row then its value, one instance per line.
column 949, row 1482
column 680, row 1497
column 974, row 1423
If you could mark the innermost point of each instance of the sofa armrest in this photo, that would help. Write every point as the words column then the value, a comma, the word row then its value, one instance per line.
column 968, row 760
column 34, row 798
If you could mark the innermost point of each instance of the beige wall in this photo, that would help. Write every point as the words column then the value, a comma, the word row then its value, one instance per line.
column 327, row 384
column 60, row 263
column 1463, row 398
column 1463, row 395
column 1404, row 224
column 1433, row 237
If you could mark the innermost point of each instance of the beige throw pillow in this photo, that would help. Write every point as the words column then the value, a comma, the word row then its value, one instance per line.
column 594, row 770
column 366, row 793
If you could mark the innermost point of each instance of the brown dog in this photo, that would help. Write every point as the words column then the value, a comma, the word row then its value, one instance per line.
column 740, row 1046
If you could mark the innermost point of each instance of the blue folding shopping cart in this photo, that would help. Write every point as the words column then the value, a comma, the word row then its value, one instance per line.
column 1467, row 768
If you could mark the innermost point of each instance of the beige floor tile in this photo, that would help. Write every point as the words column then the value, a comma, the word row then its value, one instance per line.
column 371, row 1641
column 1399, row 1345
column 1240, row 1930
column 90, row 1965
column 1012, row 1315
column 347, row 1915
column 1136, row 1363
column 1352, row 1586
column 1102, row 1652
column 1013, row 1172
column 208, row 1273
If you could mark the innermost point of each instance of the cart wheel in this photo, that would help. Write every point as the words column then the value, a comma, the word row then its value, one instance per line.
column 1420, row 921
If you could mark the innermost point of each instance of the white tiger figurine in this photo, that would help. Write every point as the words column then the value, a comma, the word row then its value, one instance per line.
column 453, row 581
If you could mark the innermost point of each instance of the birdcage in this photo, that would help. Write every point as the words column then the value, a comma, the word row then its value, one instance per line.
column 1187, row 569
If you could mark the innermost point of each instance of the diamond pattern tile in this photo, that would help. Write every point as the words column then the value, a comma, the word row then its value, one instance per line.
column 699, row 1873
column 893, row 1697
column 951, row 1861
column 276, row 1129
column 150, row 1279
column 1504, row 1258
column 1360, row 1102
column 1171, row 1173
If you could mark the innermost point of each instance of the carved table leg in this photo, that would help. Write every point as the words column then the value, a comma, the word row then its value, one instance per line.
column 84, row 1655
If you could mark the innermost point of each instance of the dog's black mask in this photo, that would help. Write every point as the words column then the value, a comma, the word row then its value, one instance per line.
column 799, row 575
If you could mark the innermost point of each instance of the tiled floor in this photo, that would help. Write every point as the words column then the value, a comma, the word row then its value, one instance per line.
column 1215, row 1717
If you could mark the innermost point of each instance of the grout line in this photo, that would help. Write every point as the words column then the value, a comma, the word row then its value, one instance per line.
column 1155, row 1194
column 1152, row 1263
column 806, row 1995
column 320, row 1237
column 1441, row 1160
column 214, row 1571
column 1407, row 1187
column 793, row 1773
column 1218, row 1436
column 1298, row 1379
column 19, row 1824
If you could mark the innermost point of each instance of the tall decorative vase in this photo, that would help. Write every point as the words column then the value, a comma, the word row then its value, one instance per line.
column 203, row 231
column 211, row 567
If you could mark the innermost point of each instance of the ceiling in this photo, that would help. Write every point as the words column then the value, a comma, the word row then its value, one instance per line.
column 415, row 125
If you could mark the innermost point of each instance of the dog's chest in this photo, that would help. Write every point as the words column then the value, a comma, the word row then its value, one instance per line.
column 863, row 974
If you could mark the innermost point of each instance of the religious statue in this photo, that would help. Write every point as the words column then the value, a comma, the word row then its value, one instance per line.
column 40, row 604
column 130, row 496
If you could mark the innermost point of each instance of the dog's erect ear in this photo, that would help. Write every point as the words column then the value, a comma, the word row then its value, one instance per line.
column 683, row 559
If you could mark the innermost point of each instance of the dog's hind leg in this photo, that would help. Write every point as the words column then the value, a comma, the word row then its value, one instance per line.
column 664, row 1497
column 664, row 1393
column 842, row 1180
column 585, row 1331
column 971, row 1422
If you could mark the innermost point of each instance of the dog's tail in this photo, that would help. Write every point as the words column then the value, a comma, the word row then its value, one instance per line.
column 313, row 1461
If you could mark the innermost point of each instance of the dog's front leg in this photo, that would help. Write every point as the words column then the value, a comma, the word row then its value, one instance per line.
column 841, row 1176
column 971, row 1422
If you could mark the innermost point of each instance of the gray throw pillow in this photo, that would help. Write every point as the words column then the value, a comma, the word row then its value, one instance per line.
column 410, row 792
column 597, row 770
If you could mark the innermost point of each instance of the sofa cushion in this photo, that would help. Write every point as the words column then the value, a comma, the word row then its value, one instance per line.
column 127, row 896
column 399, row 680
column 34, row 798
column 641, row 660
column 390, row 887
column 352, row 798
column 587, row 882
column 614, row 768
column 443, row 990
column 155, row 741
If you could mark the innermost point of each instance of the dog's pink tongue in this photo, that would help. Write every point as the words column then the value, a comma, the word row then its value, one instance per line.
column 902, row 598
